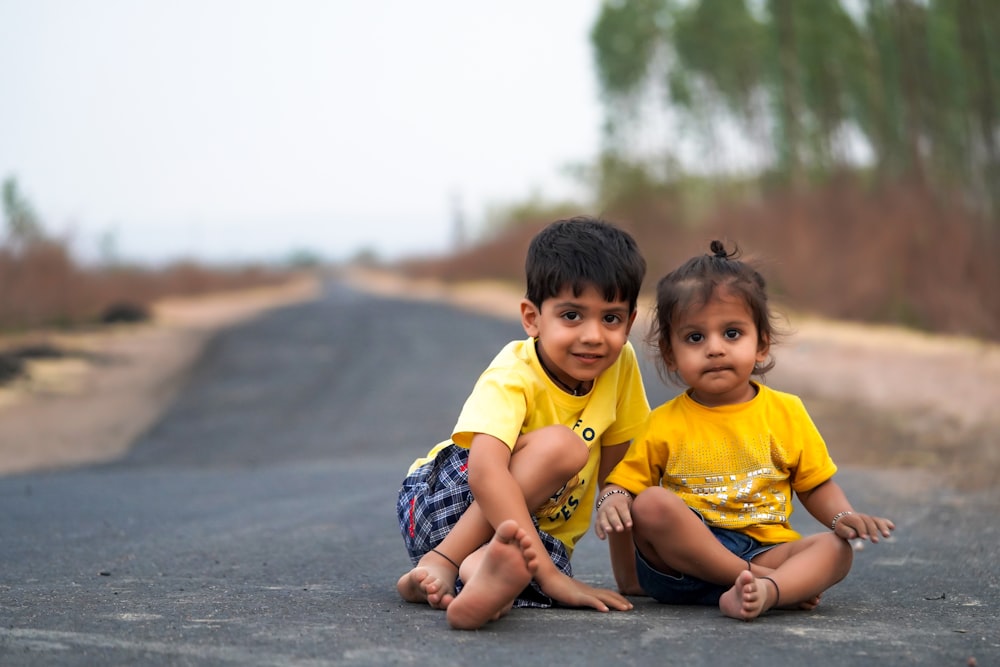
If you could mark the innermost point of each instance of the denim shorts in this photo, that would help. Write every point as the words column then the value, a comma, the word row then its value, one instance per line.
column 435, row 496
column 685, row 589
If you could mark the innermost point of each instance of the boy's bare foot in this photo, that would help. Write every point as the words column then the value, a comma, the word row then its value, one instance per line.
column 508, row 565
column 748, row 598
column 431, row 581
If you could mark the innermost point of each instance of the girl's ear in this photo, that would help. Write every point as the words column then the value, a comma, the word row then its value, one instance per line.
column 763, row 348
column 668, row 357
column 529, row 317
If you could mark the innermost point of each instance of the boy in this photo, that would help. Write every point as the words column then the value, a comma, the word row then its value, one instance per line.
column 549, row 417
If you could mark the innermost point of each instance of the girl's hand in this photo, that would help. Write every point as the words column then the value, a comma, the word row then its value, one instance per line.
column 614, row 513
column 857, row 525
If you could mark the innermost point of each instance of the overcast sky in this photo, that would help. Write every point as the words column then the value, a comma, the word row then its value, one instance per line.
column 235, row 130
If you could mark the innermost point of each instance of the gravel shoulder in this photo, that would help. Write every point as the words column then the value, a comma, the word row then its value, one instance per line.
column 92, row 404
column 881, row 396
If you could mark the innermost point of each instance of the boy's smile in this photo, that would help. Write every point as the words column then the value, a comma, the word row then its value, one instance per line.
column 577, row 336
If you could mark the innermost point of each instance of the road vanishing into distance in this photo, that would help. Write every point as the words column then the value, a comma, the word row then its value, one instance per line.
column 255, row 525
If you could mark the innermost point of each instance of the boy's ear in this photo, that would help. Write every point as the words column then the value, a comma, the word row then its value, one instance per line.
column 631, row 321
column 529, row 317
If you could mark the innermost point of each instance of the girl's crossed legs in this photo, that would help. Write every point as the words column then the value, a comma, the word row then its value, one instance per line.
column 681, row 560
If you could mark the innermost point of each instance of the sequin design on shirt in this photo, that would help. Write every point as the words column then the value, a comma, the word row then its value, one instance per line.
column 754, row 492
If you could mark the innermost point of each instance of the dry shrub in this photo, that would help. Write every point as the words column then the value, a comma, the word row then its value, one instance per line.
column 37, row 286
column 894, row 254
column 41, row 286
column 500, row 258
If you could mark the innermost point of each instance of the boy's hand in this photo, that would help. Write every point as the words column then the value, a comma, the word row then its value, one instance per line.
column 574, row 593
column 614, row 514
column 857, row 525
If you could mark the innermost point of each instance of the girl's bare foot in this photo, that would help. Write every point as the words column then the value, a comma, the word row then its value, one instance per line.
column 508, row 565
column 431, row 581
column 748, row 598
column 807, row 605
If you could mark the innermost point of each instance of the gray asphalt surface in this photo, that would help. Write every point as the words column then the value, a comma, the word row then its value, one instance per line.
column 255, row 526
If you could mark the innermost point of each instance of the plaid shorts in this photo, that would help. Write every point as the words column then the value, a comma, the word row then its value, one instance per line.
column 433, row 498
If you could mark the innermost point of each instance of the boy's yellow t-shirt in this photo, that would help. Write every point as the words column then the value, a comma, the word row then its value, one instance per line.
column 736, row 465
column 514, row 396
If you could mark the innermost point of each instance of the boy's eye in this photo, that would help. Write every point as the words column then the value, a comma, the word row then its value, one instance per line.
column 613, row 319
column 572, row 316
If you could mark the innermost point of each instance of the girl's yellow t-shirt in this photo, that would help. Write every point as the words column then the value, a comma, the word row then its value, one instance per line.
column 736, row 465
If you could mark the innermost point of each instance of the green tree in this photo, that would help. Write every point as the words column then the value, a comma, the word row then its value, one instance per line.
column 918, row 81
column 628, row 38
column 23, row 226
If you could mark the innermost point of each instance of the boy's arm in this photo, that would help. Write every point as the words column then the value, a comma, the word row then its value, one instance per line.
column 500, row 498
column 620, row 544
column 829, row 505
column 496, row 491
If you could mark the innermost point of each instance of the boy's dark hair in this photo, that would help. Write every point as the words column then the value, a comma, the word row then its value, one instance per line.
column 580, row 252
column 694, row 283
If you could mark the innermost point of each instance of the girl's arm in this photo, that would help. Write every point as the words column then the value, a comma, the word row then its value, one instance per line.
column 828, row 503
column 620, row 544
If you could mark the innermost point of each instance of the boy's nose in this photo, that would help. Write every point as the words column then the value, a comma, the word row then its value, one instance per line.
column 590, row 332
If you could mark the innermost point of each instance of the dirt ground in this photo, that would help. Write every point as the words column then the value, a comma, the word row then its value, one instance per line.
column 92, row 404
column 880, row 396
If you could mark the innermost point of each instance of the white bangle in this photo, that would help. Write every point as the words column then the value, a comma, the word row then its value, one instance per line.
column 611, row 493
column 837, row 517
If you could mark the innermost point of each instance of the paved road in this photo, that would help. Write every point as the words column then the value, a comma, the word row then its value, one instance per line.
column 255, row 526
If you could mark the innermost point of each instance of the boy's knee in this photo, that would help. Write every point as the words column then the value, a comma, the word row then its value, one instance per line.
column 572, row 449
column 563, row 446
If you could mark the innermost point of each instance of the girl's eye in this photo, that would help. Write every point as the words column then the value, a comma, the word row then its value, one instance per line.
column 695, row 338
column 732, row 334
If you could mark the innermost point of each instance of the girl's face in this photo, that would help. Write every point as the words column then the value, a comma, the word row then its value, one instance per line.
column 714, row 348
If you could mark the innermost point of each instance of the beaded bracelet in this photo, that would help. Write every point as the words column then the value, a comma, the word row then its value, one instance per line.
column 837, row 517
column 611, row 493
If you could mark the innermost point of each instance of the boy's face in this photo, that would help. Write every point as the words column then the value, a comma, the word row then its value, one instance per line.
column 714, row 347
column 579, row 337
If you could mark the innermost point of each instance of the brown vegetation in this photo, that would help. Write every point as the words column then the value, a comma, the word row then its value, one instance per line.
column 42, row 286
column 891, row 255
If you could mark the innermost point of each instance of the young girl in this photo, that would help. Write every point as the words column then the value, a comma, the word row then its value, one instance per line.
column 707, row 491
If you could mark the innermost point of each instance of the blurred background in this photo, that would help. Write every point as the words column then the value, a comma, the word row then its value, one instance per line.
column 851, row 147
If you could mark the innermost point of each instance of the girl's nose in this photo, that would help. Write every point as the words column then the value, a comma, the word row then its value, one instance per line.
column 715, row 347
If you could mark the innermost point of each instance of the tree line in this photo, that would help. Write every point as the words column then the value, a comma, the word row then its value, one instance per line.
column 908, row 90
